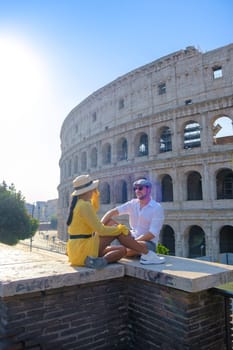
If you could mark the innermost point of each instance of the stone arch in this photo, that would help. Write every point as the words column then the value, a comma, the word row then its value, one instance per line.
column 121, row 191
column 194, row 186
column 141, row 145
column 63, row 170
column 105, row 197
column 226, row 239
column 70, row 168
column 94, row 157
column 66, row 199
column 122, row 149
column 166, row 188
column 106, row 153
column 84, row 161
column 196, row 242
column 224, row 184
column 76, row 164
column 167, row 238
column 192, row 135
column 165, row 140
column 222, row 128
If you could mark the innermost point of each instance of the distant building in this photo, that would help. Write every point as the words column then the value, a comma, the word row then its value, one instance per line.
column 43, row 210
column 170, row 120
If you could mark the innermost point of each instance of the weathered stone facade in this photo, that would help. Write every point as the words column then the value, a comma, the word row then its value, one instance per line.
column 161, row 121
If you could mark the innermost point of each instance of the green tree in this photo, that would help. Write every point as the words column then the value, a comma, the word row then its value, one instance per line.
column 15, row 222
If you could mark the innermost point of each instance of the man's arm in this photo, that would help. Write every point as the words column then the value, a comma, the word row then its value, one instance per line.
column 107, row 219
column 145, row 237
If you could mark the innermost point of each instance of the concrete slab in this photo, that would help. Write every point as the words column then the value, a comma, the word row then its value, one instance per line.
column 185, row 274
column 22, row 271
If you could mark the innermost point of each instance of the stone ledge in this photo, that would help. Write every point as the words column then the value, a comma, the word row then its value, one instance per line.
column 189, row 275
column 22, row 271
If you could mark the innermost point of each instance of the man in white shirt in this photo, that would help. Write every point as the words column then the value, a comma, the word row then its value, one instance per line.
column 146, row 218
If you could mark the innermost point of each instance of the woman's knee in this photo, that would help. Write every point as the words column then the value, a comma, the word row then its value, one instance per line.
column 123, row 250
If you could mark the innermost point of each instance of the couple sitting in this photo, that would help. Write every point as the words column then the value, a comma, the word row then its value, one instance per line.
column 90, row 238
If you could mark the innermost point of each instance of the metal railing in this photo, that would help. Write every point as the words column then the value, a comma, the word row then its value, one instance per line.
column 45, row 243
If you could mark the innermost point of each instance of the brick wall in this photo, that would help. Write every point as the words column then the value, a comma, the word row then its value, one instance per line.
column 123, row 314
column 90, row 316
column 171, row 319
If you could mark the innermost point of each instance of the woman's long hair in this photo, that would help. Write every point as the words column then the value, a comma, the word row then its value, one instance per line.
column 72, row 206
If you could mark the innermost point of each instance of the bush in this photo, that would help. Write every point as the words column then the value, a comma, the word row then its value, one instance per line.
column 161, row 249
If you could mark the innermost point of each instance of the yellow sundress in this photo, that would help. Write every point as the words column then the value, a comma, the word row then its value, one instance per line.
column 85, row 221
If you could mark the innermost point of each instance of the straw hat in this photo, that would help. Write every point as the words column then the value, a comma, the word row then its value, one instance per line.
column 83, row 184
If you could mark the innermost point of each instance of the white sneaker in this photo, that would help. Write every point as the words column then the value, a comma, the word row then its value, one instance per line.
column 151, row 258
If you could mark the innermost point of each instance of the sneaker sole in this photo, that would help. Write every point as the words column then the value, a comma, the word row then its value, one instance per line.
column 144, row 262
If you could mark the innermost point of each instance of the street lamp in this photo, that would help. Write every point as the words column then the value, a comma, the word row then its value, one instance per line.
column 33, row 208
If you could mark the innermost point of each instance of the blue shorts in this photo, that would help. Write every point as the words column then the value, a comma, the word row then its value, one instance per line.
column 151, row 245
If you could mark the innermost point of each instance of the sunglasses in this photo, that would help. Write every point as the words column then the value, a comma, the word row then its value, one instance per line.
column 139, row 188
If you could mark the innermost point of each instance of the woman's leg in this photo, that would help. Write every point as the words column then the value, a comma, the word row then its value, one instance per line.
column 110, row 253
column 114, row 253
column 130, row 243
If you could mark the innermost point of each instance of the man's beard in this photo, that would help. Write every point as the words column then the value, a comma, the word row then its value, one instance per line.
column 143, row 196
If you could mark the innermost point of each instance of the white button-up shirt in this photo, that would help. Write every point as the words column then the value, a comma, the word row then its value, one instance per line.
column 150, row 218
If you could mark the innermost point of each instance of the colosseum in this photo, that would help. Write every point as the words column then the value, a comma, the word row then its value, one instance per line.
column 172, row 121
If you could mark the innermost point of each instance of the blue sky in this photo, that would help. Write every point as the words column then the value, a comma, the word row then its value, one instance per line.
column 55, row 53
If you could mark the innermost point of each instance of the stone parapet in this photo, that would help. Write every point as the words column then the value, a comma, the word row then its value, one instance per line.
column 24, row 272
column 47, row 304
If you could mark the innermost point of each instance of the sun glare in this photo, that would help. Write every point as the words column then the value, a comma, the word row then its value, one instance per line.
column 21, row 77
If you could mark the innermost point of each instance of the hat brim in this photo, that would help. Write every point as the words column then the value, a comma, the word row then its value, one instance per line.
column 142, row 182
column 93, row 186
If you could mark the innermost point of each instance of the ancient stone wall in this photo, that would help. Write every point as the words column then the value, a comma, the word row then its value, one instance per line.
column 159, row 121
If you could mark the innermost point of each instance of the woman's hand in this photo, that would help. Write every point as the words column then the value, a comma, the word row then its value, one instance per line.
column 124, row 229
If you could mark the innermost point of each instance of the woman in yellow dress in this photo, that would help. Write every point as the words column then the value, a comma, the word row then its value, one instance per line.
column 89, row 239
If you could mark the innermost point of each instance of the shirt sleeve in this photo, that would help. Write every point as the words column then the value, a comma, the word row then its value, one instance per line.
column 157, row 221
column 124, row 208
column 88, row 213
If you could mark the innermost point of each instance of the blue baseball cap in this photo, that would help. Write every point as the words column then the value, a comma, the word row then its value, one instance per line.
column 142, row 182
